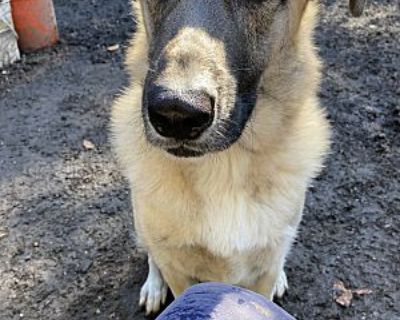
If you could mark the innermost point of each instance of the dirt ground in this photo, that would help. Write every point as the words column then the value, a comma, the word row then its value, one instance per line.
column 66, row 239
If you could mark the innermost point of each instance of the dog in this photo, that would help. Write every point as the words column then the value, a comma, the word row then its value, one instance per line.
column 219, row 134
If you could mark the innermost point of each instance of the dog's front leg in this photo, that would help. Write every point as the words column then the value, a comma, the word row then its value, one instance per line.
column 154, row 291
column 273, row 281
column 177, row 282
column 272, row 284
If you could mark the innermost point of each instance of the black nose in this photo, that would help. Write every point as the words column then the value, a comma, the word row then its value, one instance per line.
column 180, row 115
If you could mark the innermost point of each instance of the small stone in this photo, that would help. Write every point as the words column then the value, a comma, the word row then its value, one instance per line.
column 88, row 145
column 113, row 47
column 3, row 234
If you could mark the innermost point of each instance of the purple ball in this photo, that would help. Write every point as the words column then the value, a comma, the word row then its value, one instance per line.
column 217, row 301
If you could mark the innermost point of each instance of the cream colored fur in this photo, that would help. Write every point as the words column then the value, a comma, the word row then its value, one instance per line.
column 229, row 216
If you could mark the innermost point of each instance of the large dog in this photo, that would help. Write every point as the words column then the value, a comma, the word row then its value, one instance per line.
column 220, row 134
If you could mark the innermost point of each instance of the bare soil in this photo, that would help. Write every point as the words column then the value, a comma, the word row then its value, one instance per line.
column 66, row 239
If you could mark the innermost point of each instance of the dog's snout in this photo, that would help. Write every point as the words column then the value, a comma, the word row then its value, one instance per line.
column 183, row 116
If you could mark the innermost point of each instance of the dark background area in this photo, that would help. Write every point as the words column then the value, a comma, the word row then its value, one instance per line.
column 66, row 239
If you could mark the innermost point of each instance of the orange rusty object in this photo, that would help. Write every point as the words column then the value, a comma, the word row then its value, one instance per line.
column 35, row 23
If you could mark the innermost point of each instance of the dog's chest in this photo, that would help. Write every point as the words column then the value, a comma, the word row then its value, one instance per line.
column 231, row 221
column 225, row 208
column 236, row 212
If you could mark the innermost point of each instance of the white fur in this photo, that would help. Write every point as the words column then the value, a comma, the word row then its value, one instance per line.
column 154, row 291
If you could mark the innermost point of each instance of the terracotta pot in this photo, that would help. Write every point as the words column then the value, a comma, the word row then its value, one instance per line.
column 35, row 23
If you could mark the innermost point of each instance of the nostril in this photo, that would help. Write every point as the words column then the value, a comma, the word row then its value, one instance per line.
column 183, row 116
column 159, row 121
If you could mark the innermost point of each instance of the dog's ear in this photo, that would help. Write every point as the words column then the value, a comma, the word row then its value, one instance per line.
column 145, row 14
column 357, row 7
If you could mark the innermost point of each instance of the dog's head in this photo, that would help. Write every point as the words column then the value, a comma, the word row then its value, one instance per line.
column 206, row 60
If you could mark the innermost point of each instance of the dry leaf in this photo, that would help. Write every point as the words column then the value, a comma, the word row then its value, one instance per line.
column 343, row 296
column 362, row 292
column 113, row 48
column 88, row 145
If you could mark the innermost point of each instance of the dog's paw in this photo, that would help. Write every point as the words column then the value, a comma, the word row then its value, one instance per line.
column 153, row 293
column 281, row 285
